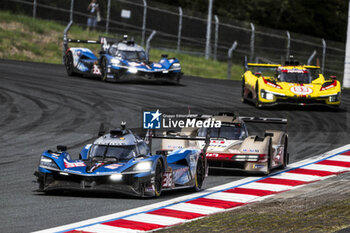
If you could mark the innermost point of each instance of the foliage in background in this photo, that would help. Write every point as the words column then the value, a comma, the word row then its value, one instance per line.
column 321, row 18
column 27, row 39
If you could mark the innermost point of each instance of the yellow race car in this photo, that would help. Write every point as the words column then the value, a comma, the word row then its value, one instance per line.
column 292, row 83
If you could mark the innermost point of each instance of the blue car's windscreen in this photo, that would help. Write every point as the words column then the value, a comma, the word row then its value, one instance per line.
column 130, row 55
column 107, row 151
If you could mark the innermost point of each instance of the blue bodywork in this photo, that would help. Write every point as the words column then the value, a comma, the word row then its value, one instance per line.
column 120, row 60
column 58, row 171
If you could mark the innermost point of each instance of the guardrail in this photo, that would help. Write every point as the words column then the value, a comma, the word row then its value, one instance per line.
column 185, row 31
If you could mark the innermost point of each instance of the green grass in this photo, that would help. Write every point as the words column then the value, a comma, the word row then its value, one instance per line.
column 326, row 218
column 27, row 39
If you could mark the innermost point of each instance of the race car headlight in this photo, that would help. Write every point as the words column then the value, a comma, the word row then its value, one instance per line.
column 176, row 65
column 334, row 98
column 143, row 166
column 115, row 61
column 269, row 96
column 116, row 177
column 47, row 162
column 132, row 70
column 266, row 95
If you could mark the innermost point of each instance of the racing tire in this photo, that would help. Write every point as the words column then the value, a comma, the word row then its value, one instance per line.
column 178, row 78
column 199, row 175
column 285, row 153
column 158, row 179
column 257, row 96
column 104, row 68
column 269, row 167
column 243, row 100
column 69, row 64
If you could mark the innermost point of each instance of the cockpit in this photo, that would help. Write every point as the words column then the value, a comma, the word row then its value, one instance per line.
column 130, row 55
column 294, row 76
column 112, row 152
column 237, row 131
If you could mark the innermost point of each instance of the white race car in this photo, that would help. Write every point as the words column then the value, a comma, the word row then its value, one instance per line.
column 231, row 147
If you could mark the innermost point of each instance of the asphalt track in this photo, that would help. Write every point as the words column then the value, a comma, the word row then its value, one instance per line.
column 41, row 107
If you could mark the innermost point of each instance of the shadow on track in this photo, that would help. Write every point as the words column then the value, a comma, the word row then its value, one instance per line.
column 111, row 195
column 151, row 82
column 309, row 108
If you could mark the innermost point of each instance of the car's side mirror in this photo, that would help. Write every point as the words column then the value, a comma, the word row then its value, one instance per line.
column 257, row 73
column 61, row 148
column 164, row 56
column 333, row 77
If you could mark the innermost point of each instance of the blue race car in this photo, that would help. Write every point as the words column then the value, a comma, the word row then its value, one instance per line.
column 118, row 59
column 121, row 161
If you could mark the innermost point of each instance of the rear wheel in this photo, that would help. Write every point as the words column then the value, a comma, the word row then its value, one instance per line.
column 269, row 159
column 200, row 174
column 69, row 64
column 285, row 153
column 158, row 179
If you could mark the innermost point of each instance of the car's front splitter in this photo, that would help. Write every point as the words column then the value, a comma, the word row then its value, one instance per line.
column 128, row 184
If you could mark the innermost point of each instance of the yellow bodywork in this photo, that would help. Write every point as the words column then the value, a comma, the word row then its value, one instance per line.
column 270, row 90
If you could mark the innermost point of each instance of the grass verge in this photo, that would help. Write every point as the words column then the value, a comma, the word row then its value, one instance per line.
column 27, row 39
column 328, row 218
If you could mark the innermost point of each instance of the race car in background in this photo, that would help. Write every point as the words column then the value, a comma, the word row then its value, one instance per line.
column 292, row 83
column 117, row 60
column 231, row 147
column 120, row 161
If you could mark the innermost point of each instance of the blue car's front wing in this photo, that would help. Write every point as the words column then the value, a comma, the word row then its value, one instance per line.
column 134, row 184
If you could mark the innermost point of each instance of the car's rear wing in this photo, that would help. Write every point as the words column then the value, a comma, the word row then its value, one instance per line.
column 104, row 41
column 150, row 135
column 247, row 64
column 264, row 65
column 312, row 67
column 264, row 120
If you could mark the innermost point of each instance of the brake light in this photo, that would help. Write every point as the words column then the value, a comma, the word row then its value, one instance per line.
column 262, row 158
column 329, row 85
column 272, row 84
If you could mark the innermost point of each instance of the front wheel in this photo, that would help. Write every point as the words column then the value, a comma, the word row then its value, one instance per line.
column 178, row 78
column 158, row 179
column 242, row 94
column 285, row 153
column 257, row 96
column 199, row 175
column 104, row 69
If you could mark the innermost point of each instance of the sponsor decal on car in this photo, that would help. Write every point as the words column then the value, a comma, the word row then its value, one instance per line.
column 73, row 164
column 212, row 154
column 113, row 166
column 168, row 179
column 96, row 70
column 258, row 166
column 301, row 90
